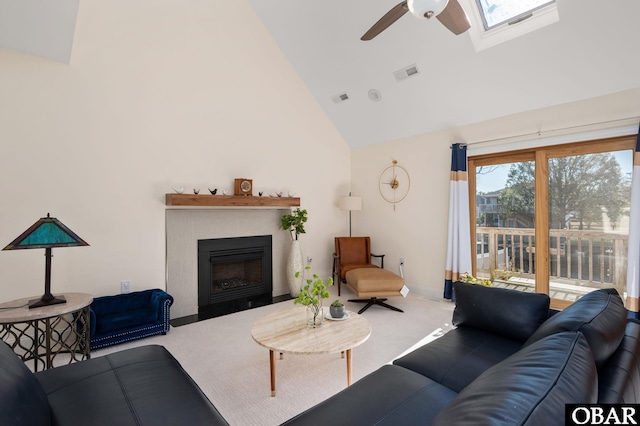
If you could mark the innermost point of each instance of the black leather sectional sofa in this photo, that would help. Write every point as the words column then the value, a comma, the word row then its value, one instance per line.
column 139, row 386
column 510, row 361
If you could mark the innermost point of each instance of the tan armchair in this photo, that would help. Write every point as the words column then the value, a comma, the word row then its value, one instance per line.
column 352, row 253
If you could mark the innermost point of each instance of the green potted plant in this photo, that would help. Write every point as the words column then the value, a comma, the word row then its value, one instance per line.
column 470, row 279
column 294, row 224
column 313, row 290
column 336, row 309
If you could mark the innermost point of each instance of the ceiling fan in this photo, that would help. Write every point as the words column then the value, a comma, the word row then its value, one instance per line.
column 448, row 12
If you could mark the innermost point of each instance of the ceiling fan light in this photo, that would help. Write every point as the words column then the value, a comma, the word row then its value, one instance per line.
column 426, row 8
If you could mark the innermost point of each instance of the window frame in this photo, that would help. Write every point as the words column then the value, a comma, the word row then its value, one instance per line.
column 540, row 156
column 484, row 39
column 511, row 21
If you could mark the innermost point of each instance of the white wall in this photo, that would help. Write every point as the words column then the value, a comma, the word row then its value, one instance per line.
column 417, row 229
column 158, row 93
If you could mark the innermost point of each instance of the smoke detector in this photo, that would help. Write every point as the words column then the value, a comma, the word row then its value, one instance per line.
column 375, row 95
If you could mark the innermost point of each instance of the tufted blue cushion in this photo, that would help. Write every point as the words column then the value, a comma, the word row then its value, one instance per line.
column 599, row 315
column 510, row 313
column 529, row 388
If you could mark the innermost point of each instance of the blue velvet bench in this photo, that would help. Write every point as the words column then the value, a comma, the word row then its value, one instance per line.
column 124, row 317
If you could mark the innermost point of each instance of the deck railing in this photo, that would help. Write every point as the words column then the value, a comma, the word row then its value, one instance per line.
column 581, row 257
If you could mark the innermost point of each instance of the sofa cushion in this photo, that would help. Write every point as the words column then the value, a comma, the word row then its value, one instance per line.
column 139, row 386
column 22, row 399
column 460, row 356
column 599, row 315
column 510, row 313
column 389, row 396
column 530, row 387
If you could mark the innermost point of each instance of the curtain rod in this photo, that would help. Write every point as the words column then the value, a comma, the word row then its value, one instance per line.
column 541, row 132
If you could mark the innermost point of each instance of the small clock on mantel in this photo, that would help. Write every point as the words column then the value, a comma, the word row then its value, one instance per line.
column 243, row 186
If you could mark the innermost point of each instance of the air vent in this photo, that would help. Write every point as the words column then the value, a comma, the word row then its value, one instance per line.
column 340, row 98
column 404, row 73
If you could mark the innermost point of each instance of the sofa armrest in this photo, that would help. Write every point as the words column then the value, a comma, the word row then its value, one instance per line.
column 161, row 301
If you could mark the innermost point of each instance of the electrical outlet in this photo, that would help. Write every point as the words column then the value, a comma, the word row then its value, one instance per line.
column 125, row 287
column 402, row 261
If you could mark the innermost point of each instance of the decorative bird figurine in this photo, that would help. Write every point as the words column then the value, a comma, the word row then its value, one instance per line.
column 196, row 191
column 213, row 191
column 179, row 190
column 260, row 193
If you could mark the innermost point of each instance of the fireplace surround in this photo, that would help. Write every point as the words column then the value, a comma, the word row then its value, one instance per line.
column 186, row 226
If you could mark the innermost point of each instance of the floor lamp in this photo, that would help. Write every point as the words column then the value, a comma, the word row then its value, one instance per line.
column 350, row 203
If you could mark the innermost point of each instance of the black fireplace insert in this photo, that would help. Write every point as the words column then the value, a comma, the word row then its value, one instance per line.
column 234, row 271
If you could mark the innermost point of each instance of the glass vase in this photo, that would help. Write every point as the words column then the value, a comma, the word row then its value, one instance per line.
column 315, row 315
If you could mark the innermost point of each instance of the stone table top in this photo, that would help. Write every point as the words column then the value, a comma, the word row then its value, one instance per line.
column 18, row 310
column 286, row 331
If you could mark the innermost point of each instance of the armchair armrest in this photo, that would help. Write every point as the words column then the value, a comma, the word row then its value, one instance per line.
column 381, row 256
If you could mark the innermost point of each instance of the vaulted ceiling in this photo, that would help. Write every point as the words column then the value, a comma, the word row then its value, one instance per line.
column 591, row 51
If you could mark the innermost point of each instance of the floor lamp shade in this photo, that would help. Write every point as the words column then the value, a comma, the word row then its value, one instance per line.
column 46, row 233
column 350, row 203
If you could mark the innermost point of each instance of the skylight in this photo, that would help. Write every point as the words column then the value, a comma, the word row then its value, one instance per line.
column 497, row 12
column 497, row 21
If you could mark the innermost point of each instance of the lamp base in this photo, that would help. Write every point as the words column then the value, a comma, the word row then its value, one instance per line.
column 46, row 301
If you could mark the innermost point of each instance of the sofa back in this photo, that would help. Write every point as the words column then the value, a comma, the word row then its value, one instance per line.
column 599, row 315
column 22, row 399
column 619, row 378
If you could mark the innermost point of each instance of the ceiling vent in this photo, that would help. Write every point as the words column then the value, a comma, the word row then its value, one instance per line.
column 405, row 73
column 340, row 98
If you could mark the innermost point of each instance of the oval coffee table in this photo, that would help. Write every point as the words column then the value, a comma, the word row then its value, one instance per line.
column 286, row 331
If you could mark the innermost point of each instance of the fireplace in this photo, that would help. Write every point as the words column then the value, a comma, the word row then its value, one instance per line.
column 234, row 273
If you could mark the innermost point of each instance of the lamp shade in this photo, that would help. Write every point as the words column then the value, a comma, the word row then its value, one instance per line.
column 46, row 233
column 426, row 8
column 350, row 203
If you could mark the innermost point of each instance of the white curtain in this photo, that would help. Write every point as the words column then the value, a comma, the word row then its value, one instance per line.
column 633, row 266
column 459, row 243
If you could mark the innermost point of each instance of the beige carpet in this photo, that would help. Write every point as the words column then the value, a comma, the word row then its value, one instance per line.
column 233, row 370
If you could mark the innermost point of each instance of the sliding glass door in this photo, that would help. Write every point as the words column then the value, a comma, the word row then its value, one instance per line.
column 555, row 219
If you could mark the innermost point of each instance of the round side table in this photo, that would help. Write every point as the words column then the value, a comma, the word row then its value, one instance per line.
column 40, row 334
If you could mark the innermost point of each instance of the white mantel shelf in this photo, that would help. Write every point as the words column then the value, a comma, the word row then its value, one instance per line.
column 193, row 200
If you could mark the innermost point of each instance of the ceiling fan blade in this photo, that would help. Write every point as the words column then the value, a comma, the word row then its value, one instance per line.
column 454, row 18
column 389, row 18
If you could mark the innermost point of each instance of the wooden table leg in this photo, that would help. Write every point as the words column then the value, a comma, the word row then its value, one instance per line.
column 348, row 367
column 272, row 367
